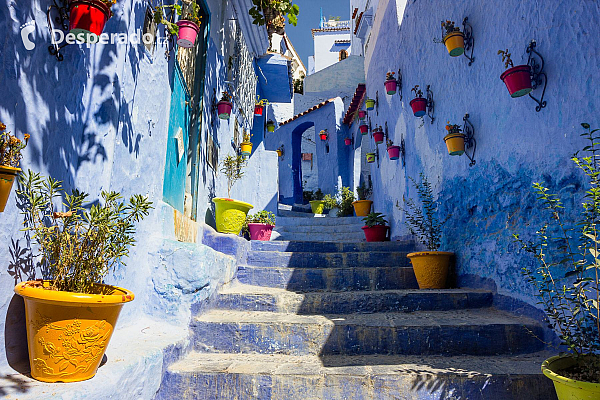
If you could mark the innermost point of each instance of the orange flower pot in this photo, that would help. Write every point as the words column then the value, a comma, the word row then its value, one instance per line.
column 431, row 268
column 8, row 176
column 455, row 43
column 455, row 142
column 362, row 208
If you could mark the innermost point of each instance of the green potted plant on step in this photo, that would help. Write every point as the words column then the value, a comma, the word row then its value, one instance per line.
column 260, row 225
column 431, row 267
column 230, row 214
column 362, row 207
column 10, row 156
column 317, row 205
column 567, row 280
column 70, row 315
column 375, row 228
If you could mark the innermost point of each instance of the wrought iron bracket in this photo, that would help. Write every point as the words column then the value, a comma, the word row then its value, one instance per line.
column 470, row 142
column 399, row 84
column 61, row 19
column 430, row 104
column 469, row 40
column 403, row 152
column 377, row 102
column 538, row 75
column 213, row 107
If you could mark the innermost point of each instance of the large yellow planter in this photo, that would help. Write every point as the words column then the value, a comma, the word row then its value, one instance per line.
column 230, row 215
column 455, row 142
column 362, row 208
column 569, row 389
column 7, row 178
column 317, row 206
column 455, row 43
column 431, row 268
column 67, row 333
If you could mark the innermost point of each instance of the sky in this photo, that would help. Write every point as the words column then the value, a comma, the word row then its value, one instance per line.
column 310, row 12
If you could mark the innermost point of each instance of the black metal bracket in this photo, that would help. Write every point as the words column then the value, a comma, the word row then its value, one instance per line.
column 385, row 132
column 399, row 84
column 470, row 142
column 377, row 102
column 538, row 76
column 469, row 40
column 61, row 19
column 213, row 107
column 403, row 152
column 430, row 104
column 282, row 150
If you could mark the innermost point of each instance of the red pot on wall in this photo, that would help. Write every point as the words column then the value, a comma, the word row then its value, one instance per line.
column 517, row 80
column 391, row 86
column 323, row 136
column 362, row 114
column 347, row 141
column 88, row 17
column 378, row 136
column 258, row 110
column 394, row 152
column 224, row 109
column 376, row 233
column 364, row 129
column 419, row 106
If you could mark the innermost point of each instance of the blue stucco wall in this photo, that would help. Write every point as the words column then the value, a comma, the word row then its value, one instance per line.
column 516, row 146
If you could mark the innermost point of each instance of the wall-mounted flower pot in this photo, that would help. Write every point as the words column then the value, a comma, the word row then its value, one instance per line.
column 323, row 136
column 376, row 233
column 362, row 114
column 258, row 110
column 347, row 141
column 455, row 43
column 362, row 208
column 569, row 389
column 370, row 104
column 224, row 109
column 279, row 153
column 394, row 152
column 378, row 137
column 431, row 268
column 188, row 31
column 317, row 206
column 230, row 215
column 517, row 80
column 88, row 17
column 8, row 175
column 364, row 129
column 270, row 127
column 260, row 232
column 455, row 143
column 391, row 86
column 246, row 148
column 67, row 333
column 419, row 106
column 370, row 157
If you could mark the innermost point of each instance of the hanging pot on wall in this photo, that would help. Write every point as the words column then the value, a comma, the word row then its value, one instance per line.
column 394, row 152
column 370, row 157
column 270, row 126
column 517, row 80
column 370, row 104
column 455, row 43
column 7, row 178
column 87, row 18
column 258, row 110
column 188, row 31
column 391, row 86
column 224, row 109
column 246, row 148
column 419, row 106
column 364, row 129
column 347, row 141
column 378, row 137
column 323, row 136
column 362, row 114
column 455, row 142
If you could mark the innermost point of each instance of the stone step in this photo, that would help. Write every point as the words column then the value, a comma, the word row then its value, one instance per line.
column 319, row 221
column 327, row 260
column 332, row 279
column 299, row 214
column 458, row 332
column 333, row 247
column 242, row 297
column 279, row 377
column 349, row 229
column 322, row 237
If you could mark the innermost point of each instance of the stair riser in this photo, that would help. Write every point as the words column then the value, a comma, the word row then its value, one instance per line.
column 305, row 339
column 327, row 260
column 338, row 279
column 330, row 303
column 319, row 221
column 321, row 237
column 328, row 247
column 405, row 386
column 336, row 229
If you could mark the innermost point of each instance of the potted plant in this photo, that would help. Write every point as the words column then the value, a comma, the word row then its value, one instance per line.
column 370, row 157
column 88, row 17
column 378, row 135
column 10, row 156
column 517, row 79
column 260, row 106
column 370, row 104
column 455, row 140
column 393, row 151
column 347, row 141
column 187, row 28
column 375, row 228
column 70, row 315
column 324, row 135
column 246, row 145
column 317, row 205
column 260, row 225
column 419, row 103
column 454, row 39
column 230, row 214
column 362, row 114
column 271, row 13
column 224, row 106
column 362, row 206
column 331, row 204
column 567, row 280
column 270, row 126
column 364, row 128
column 431, row 267
column 391, row 84
column 346, row 201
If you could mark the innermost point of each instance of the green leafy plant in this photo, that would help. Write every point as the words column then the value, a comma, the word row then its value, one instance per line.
column 449, row 27
column 506, row 58
column 308, row 195
column 232, row 167
column 422, row 220
column 373, row 219
column 299, row 85
column 10, row 147
column 330, row 202
column 567, row 275
column 364, row 192
column 453, row 128
column 418, row 92
column 271, row 12
column 345, row 204
column 318, row 195
column 225, row 96
column 79, row 246
column 261, row 217
column 188, row 12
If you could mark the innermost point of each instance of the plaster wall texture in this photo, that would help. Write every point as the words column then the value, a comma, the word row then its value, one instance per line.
column 327, row 52
column 516, row 145
column 310, row 175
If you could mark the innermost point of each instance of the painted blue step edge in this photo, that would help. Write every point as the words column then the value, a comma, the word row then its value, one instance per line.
column 328, row 260
column 331, row 247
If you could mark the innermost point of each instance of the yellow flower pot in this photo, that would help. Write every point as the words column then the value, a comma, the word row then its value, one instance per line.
column 8, row 176
column 279, row 153
column 246, row 148
column 455, row 43
column 362, row 207
column 370, row 157
column 569, row 389
column 317, row 206
column 431, row 268
column 230, row 215
column 455, row 143
column 67, row 333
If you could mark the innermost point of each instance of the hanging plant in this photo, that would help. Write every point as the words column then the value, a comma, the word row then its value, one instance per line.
column 187, row 28
column 370, row 104
column 347, row 141
column 419, row 103
column 391, row 84
column 362, row 114
column 271, row 13
column 224, row 106
column 454, row 39
column 378, row 135
column 246, row 145
column 270, row 126
column 10, row 156
column 455, row 140
column 364, row 129
column 517, row 79
column 88, row 17
column 393, row 151
column 260, row 106
column 370, row 157
column 324, row 135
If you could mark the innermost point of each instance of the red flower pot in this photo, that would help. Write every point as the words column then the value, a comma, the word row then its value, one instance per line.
column 378, row 136
column 376, row 233
column 347, row 141
column 260, row 232
column 394, row 152
column 88, row 17
column 364, row 129
column 390, row 86
column 188, row 31
column 258, row 110
column 517, row 80
column 224, row 109
column 362, row 114
column 323, row 136
column 419, row 106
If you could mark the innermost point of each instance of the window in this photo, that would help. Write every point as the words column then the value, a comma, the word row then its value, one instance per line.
column 343, row 55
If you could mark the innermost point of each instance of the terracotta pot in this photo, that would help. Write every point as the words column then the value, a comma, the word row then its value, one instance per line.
column 391, row 86
column 394, row 152
column 362, row 208
column 517, row 80
column 260, row 232
column 347, row 141
column 8, row 175
column 258, row 110
column 376, row 233
column 431, row 268
column 87, row 18
column 419, row 106
column 370, row 158
column 455, row 43
column 188, row 31
column 455, row 143
column 224, row 109
column 364, row 129
column 378, row 137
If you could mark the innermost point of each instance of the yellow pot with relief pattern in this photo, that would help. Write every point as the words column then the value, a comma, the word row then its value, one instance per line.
column 67, row 333
column 431, row 268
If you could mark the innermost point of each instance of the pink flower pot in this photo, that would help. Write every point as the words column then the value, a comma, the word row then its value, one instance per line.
column 394, row 152
column 378, row 136
column 364, row 129
column 188, row 31
column 260, row 232
column 419, row 106
column 224, row 109
column 347, row 141
column 376, row 233
column 362, row 114
column 258, row 110
column 391, row 86
column 517, row 80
